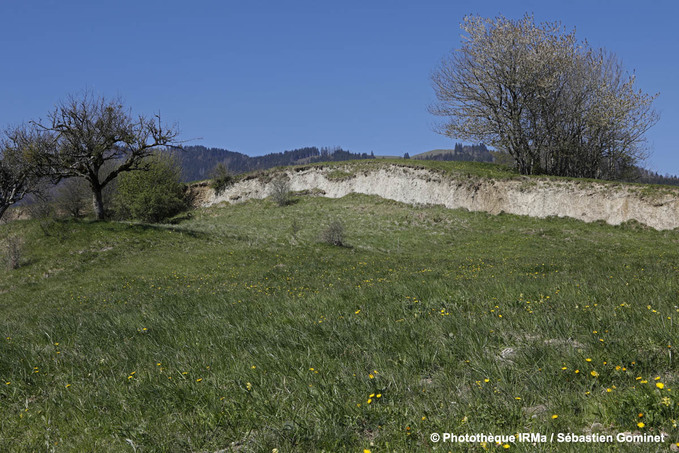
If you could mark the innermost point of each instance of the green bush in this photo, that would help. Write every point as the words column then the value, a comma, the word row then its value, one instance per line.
column 221, row 178
column 152, row 195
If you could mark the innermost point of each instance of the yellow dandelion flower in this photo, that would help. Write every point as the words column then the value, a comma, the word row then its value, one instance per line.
column 588, row 359
column 641, row 424
column 555, row 416
column 594, row 373
column 660, row 385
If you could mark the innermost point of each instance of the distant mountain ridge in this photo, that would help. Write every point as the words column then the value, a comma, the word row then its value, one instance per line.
column 198, row 161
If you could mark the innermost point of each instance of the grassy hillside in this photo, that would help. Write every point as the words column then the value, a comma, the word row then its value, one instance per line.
column 238, row 330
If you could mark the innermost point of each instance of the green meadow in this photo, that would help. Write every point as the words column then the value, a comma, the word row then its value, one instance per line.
column 237, row 329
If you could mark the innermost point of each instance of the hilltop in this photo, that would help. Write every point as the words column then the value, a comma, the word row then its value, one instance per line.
column 476, row 187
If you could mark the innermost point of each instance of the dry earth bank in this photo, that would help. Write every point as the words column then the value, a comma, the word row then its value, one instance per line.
column 536, row 197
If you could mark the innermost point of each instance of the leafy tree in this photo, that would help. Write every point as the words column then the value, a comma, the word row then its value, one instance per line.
column 152, row 195
column 18, row 175
column 93, row 132
column 553, row 103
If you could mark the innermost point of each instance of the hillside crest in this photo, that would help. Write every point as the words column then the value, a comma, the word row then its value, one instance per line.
column 613, row 203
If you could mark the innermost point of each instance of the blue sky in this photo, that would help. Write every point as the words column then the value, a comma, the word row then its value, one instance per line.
column 259, row 77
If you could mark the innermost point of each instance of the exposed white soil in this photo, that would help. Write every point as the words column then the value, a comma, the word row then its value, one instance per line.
column 583, row 200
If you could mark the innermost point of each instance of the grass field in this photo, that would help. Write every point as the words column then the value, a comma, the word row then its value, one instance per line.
column 237, row 330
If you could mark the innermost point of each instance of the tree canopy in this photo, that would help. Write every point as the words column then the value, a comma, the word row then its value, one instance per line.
column 553, row 103
column 98, row 139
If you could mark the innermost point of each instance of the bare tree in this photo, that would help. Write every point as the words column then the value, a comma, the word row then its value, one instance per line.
column 73, row 196
column 280, row 190
column 550, row 101
column 18, row 176
column 97, row 139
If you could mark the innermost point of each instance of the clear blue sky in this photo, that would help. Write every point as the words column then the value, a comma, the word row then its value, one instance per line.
column 259, row 77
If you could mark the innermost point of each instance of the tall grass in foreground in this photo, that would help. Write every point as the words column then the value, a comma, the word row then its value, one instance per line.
column 229, row 332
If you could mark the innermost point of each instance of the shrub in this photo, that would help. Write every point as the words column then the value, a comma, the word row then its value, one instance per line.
column 152, row 195
column 12, row 250
column 280, row 191
column 221, row 178
column 73, row 197
column 41, row 208
column 334, row 233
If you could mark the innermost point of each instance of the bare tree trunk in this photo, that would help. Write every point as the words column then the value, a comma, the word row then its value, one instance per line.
column 98, row 203
column 3, row 208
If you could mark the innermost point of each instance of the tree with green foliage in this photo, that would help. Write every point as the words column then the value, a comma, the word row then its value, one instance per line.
column 98, row 139
column 553, row 103
column 152, row 195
